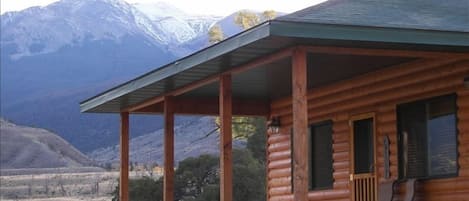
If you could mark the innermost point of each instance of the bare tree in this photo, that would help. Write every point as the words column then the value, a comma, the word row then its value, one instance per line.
column 60, row 182
column 95, row 187
column 30, row 187
column 46, row 185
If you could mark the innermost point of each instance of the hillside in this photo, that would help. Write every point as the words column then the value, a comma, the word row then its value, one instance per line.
column 192, row 138
column 27, row 147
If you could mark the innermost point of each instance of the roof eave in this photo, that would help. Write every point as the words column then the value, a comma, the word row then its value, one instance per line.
column 244, row 38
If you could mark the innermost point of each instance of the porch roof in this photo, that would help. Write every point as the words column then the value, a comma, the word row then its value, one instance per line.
column 396, row 24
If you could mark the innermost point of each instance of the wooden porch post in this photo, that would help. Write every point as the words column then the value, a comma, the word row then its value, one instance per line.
column 168, row 193
column 226, row 174
column 124, row 154
column 300, row 125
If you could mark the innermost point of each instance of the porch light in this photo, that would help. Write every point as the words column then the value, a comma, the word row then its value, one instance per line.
column 466, row 82
column 274, row 125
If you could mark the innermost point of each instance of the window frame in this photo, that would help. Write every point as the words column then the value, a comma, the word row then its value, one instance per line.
column 454, row 98
column 310, row 160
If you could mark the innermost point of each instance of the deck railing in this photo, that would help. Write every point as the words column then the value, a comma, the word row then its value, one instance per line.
column 364, row 187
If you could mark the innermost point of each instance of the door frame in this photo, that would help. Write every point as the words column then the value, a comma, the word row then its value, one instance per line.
column 352, row 119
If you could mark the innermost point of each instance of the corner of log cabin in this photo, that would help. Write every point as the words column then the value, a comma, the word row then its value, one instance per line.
column 377, row 92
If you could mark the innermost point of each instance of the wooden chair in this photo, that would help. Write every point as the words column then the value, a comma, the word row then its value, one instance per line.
column 410, row 189
column 386, row 191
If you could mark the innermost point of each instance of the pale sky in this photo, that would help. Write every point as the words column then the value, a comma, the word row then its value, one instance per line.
column 213, row 7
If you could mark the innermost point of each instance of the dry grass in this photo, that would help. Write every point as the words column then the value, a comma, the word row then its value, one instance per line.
column 95, row 186
column 63, row 199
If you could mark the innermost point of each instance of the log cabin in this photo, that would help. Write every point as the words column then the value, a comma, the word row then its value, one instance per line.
column 366, row 100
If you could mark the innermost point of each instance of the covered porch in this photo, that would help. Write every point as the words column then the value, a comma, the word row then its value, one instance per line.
column 276, row 70
column 251, row 88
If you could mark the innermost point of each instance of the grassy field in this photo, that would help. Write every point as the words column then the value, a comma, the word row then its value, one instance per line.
column 108, row 198
column 94, row 186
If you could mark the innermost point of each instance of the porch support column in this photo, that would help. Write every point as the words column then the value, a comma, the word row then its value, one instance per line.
column 124, row 154
column 300, row 125
column 226, row 163
column 168, row 193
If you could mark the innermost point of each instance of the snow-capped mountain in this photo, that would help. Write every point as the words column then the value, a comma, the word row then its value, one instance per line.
column 40, row 30
column 175, row 23
column 55, row 56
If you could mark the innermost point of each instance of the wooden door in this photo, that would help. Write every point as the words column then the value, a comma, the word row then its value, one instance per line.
column 363, row 161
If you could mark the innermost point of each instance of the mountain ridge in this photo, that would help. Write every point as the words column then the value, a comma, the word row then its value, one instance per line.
column 69, row 23
column 40, row 30
column 175, row 23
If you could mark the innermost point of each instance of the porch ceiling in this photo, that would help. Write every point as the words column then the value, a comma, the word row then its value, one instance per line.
column 273, row 80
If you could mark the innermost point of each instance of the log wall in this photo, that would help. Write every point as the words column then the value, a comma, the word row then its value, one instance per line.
column 378, row 92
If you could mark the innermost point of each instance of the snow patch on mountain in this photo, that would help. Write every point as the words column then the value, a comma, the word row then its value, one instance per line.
column 175, row 23
column 41, row 30
column 158, row 10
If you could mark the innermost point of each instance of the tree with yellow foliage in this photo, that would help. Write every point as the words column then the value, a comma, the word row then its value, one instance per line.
column 215, row 34
column 269, row 15
column 247, row 19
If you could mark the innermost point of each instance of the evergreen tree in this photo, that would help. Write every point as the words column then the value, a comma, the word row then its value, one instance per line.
column 211, row 192
column 194, row 174
column 256, row 143
column 143, row 189
column 248, row 177
column 197, row 179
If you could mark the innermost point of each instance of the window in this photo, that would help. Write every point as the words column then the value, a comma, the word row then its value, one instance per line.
column 363, row 146
column 427, row 134
column 320, row 163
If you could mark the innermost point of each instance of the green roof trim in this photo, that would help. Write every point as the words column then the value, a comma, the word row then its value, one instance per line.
column 372, row 34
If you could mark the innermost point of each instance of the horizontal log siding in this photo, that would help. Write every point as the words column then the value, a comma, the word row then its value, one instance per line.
column 377, row 92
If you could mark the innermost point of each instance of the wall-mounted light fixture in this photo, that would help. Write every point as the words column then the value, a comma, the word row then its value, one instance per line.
column 466, row 82
column 273, row 125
